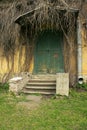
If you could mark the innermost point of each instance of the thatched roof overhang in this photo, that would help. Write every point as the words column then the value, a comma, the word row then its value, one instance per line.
column 23, row 19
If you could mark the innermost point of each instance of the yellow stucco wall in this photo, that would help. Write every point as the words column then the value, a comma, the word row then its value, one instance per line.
column 84, row 52
column 6, row 64
column 14, row 64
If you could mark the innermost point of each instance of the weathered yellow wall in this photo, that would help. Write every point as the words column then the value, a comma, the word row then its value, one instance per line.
column 14, row 64
column 84, row 52
column 3, row 63
column 70, row 56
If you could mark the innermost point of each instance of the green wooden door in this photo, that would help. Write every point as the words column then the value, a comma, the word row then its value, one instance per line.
column 49, row 53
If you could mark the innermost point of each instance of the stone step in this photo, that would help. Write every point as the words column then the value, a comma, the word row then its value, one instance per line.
column 39, row 92
column 42, row 80
column 41, row 87
column 41, row 83
column 47, row 76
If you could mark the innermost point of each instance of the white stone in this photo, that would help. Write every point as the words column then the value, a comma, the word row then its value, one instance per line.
column 13, row 88
column 17, row 83
column 15, row 79
column 62, row 84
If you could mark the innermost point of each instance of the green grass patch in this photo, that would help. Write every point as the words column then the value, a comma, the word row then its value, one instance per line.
column 4, row 87
column 61, row 113
column 82, row 86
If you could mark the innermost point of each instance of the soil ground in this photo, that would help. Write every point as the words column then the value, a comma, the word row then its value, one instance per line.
column 32, row 102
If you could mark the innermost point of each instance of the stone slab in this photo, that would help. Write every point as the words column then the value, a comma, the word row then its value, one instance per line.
column 62, row 84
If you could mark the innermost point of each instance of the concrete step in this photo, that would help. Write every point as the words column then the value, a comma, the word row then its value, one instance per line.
column 41, row 83
column 41, row 87
column 38, row 92
column 46, row 76
column 42, row 80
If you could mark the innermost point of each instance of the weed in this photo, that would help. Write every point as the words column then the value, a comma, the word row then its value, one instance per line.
column 82, row 86
column 4, row 87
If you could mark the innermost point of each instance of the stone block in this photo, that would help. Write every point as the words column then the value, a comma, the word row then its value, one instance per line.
column 62, row 84
column 17, row 83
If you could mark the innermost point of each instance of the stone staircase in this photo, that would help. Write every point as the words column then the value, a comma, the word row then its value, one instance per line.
column 41, row 84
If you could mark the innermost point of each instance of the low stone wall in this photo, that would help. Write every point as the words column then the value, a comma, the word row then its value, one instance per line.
column 18, row 83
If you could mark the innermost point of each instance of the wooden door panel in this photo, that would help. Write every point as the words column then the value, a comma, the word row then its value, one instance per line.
column 49, row 53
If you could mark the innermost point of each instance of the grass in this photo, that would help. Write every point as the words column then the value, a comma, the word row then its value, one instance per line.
column 62, row 113
column 82, row 86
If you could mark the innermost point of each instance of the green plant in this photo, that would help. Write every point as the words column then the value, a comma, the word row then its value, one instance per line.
column 82, row 86
column 4, row 86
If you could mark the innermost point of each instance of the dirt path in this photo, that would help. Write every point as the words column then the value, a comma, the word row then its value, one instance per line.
column 32, row 102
